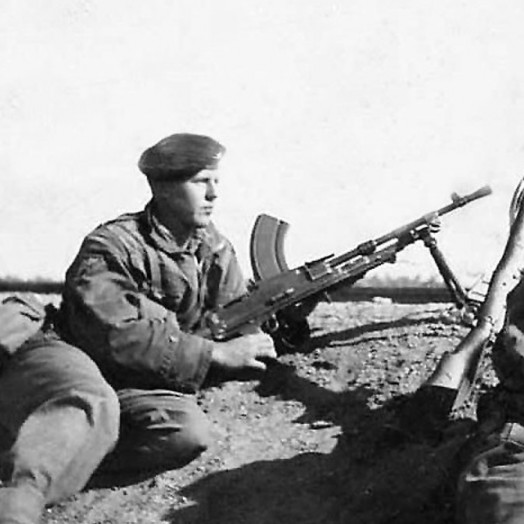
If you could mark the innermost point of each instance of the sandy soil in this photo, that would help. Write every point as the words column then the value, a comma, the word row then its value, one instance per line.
column 314, row 441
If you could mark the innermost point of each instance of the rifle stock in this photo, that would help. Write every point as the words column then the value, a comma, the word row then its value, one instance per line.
column 278, row 289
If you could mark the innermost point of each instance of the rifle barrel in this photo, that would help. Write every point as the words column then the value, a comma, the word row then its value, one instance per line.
column 370, row 246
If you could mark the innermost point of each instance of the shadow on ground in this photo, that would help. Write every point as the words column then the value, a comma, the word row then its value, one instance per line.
column 373, row 475
column 352, row 335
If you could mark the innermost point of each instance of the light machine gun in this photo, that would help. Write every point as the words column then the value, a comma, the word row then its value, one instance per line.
column 281, row 298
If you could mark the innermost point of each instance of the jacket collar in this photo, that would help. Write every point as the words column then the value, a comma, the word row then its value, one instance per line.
column 203, row 240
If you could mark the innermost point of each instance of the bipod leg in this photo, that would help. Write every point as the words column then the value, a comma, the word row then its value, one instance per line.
column 457, row 291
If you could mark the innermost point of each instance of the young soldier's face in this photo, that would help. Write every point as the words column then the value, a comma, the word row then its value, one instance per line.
column 192, row 200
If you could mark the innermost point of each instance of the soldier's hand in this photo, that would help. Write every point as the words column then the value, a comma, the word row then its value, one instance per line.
column 243, row 355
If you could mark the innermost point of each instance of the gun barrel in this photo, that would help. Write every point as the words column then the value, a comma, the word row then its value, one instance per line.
column 368, row 247
column 479, row 193
column 456, row 203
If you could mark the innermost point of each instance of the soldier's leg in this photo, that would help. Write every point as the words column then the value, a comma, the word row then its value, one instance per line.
column 160, row 430
column 491, row 486
column 58, row 419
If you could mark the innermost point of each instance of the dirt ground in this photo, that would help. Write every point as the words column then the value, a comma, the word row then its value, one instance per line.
column 315, row 440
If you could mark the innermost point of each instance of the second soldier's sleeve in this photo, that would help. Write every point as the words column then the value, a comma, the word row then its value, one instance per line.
column 508, row 350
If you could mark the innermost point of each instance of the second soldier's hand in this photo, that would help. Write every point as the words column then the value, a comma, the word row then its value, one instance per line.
column 243, row 355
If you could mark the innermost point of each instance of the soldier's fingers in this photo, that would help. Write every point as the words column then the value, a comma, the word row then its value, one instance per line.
column 267, row 351
column 257, row 364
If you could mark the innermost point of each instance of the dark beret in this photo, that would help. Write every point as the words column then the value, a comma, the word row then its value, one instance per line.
column 180, row 156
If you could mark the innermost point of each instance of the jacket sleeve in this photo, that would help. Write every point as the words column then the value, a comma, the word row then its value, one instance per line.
column 232, row 284
column 129, row 335
column 508, row 349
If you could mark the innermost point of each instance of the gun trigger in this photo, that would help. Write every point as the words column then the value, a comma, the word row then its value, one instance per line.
column 270, row 325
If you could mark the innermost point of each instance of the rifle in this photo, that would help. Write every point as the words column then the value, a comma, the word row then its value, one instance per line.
column 452, row 381
column 280, row 298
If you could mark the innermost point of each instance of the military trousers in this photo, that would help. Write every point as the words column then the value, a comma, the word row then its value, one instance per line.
column 159, row 430
column 491, row 485
column 60, row 421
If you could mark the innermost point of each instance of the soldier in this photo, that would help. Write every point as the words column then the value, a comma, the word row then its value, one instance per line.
column 491, row 482
column 134, row 299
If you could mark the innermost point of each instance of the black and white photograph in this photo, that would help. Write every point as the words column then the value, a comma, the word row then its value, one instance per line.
column 261, row 262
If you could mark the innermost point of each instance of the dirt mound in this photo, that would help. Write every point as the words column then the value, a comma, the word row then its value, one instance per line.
column 315, row 441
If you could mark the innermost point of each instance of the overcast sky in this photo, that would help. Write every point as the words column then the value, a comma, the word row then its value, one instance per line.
column 345, row 118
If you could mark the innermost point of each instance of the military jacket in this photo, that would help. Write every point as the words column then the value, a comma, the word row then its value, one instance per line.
column 133, row 298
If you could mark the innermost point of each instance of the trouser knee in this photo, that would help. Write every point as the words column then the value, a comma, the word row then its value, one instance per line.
column 159, row 430
column 103, row 414
column 170, row 445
